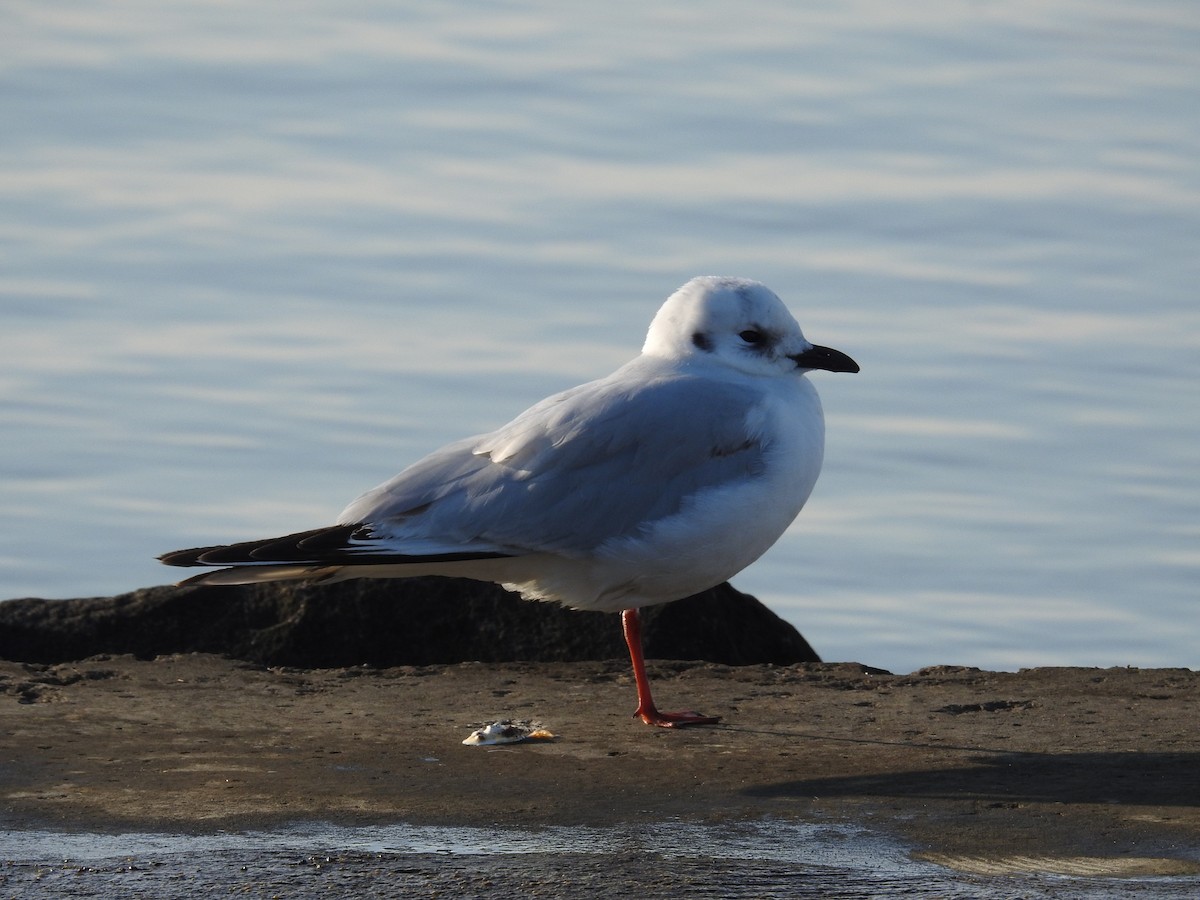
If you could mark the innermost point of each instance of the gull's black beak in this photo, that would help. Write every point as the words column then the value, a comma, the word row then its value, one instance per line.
column 825, row 358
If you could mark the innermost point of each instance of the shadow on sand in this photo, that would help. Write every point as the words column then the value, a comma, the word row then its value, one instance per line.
column 1136, row 778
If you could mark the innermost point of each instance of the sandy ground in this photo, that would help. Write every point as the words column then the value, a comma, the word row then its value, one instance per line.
column 969, row 768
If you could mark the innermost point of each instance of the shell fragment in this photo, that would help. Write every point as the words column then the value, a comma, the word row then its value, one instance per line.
column 508, row 731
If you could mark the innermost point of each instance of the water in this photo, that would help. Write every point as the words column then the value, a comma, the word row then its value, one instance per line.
column 757, row 859
column 257, row 257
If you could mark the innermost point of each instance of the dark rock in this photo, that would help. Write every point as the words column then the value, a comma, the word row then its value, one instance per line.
column 415, row 621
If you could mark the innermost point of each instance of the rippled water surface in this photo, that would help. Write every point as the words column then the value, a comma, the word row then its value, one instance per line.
column 664, row 859
column 257, row 257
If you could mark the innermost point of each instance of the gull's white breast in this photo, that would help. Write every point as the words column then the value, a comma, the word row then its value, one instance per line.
column 718, row 531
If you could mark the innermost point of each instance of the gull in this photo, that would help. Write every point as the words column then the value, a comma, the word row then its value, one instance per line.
column 659, row 481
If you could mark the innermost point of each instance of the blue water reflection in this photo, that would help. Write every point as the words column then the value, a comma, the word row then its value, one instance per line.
column 257, row 259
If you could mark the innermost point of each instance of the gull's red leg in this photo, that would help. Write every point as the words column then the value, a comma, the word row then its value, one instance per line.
column 631, row 622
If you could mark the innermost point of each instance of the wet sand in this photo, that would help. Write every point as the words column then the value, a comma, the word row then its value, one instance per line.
column 957, row 762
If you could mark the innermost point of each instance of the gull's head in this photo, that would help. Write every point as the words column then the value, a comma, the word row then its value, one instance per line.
column 738, row 323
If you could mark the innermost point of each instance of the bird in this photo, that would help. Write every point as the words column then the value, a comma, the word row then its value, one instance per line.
column 661, row 480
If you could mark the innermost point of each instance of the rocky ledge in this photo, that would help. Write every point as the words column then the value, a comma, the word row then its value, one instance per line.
column 417, row 621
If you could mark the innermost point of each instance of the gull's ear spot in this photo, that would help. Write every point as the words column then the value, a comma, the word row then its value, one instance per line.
column 702, row 341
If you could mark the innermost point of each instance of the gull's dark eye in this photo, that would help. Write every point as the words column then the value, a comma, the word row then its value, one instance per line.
column 750, row 336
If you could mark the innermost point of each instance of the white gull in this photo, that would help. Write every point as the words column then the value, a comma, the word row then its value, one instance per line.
column 663, row 479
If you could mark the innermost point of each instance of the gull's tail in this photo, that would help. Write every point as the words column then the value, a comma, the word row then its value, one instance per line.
column 323, row 554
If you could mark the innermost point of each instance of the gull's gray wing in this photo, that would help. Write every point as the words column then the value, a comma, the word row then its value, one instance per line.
column 596, row 462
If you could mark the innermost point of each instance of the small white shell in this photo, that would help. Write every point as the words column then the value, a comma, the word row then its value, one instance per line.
column 508, row 731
